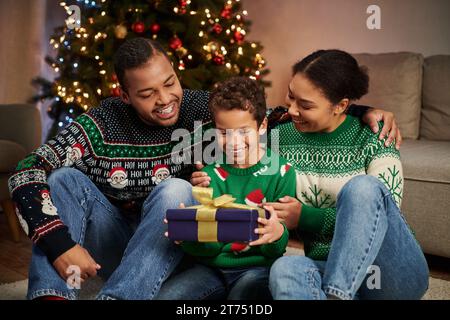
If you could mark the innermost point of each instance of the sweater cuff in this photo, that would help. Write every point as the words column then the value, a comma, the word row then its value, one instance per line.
column 56, row 243
column 277, row 248
column 311, row 219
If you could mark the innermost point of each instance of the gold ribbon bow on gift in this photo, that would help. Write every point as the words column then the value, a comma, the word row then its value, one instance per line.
column 206, row 211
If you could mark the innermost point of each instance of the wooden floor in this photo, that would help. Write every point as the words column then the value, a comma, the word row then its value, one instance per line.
column 15, row 258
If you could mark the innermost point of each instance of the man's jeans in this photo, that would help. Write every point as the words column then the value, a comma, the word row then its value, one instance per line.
column 205, row 283
column 134, row 260
column 373, row 254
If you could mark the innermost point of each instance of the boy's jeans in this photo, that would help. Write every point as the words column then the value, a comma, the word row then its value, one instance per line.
column 370, row 232
column 206, row 283
column 134, row 262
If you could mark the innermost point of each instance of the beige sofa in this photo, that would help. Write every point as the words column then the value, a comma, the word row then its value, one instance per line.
column 417, row 90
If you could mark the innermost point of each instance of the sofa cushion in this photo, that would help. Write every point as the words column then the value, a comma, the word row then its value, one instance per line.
column 435, row 122
column 396, row 85
column 426, row 206
column 427, row 161
column 426, row 201
column 10, row 154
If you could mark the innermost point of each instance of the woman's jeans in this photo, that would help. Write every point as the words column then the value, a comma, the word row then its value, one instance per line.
column 134, row 260
column 201, row 282
column 373, row 254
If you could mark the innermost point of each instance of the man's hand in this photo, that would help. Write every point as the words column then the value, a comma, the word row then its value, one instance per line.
column 390, row 128
column 271, row 231
column 288, row 210
column 76, row 256
column 198, row 178
column 166, row 234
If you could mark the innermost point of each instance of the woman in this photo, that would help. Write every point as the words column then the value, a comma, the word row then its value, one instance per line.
column 349, row 190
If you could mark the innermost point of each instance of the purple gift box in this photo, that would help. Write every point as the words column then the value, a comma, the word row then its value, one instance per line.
column 222, row 225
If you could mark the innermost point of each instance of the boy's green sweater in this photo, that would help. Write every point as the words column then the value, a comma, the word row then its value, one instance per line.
column 269, row 180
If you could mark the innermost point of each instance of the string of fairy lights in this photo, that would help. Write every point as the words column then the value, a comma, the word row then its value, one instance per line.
column 211, row 25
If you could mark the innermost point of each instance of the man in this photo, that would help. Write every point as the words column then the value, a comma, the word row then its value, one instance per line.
column 110, row 195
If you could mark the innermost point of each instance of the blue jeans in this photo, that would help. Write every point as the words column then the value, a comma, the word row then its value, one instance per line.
column 135, row 260
column 370, row 232
column 201, row 282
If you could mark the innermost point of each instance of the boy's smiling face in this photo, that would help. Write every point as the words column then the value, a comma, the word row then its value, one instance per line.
column 238, row 135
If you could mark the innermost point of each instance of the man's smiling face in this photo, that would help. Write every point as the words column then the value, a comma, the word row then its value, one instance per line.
column 153, row 89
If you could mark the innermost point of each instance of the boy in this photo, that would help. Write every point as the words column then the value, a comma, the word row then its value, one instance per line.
column 253, row 176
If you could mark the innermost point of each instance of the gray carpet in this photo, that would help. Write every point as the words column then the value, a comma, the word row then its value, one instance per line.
column 439, row 290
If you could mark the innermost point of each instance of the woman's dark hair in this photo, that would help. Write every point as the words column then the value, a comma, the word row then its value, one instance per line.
column 336, row 73
column 239, row 93
column 134, row 53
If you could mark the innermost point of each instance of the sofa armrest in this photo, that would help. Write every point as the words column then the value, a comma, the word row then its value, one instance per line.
column 21, row 123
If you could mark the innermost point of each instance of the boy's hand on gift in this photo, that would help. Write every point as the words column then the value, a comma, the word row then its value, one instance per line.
column 181, row 206
column 272, row 229
column 288, row 210
column 199, row 178
column 79, row 257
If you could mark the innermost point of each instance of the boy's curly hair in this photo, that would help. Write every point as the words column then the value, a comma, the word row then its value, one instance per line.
column 240, row 93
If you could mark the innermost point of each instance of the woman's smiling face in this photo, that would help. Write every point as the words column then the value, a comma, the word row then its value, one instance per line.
column 310, row 110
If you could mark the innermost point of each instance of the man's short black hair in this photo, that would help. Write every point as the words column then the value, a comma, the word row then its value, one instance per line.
column 134, row 53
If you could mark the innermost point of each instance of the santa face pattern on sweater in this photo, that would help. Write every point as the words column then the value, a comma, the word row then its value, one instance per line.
column 118, row 178
column 73, row 154
column 160, row 173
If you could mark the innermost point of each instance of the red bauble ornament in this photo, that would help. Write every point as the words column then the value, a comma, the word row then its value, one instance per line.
column 138, row 27
column 217, row 28
column 175, row 43
column 239, row 37
column 114, row 77
column 183, row 4
column 154, row 28
column 115, row 92
column 219, row 59
column 226, row 13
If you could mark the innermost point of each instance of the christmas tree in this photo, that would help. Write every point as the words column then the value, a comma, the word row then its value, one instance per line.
column 205, row 39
